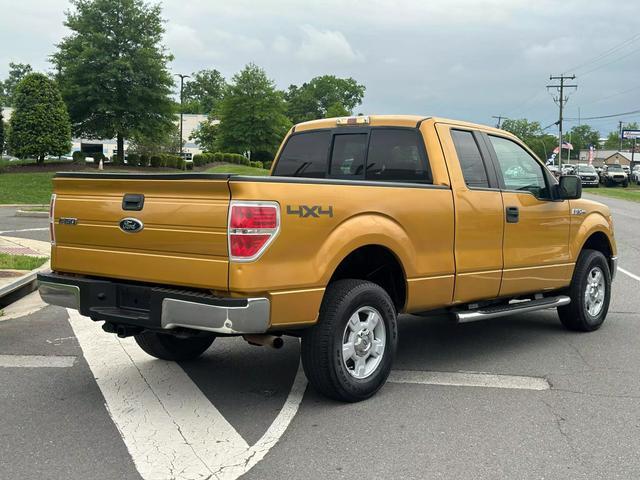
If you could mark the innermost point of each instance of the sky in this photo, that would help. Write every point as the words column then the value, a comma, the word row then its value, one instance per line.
column 462, row 59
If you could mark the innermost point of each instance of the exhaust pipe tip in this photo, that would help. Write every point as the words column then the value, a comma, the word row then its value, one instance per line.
column 265, row 341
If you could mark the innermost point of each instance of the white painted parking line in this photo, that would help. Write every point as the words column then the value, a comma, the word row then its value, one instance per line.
column 632, row 275
column 168, row 425
column 24, row 230
column 468, row 379
column 37, row 361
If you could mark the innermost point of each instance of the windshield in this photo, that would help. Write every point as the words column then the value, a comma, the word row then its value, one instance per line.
column 615, row 167
column 586, row 169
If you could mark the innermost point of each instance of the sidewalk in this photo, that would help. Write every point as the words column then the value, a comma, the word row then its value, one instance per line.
column 21, row 246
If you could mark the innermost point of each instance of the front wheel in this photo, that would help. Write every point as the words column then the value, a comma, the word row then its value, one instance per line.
column 347, row 356
column 170, row 347
column 590, row 293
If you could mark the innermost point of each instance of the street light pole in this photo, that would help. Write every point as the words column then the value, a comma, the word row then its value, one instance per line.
column 182, row 77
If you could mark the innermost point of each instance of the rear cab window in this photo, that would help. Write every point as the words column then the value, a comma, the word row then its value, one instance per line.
column 473, row 168
column 388, row 154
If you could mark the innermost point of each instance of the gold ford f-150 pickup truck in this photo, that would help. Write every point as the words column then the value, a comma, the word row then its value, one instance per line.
column 361, row 219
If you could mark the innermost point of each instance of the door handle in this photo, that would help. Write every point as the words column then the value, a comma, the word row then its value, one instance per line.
column 513, row 214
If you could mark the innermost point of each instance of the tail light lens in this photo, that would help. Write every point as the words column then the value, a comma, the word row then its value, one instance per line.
column 52, row 217
column 252, row 227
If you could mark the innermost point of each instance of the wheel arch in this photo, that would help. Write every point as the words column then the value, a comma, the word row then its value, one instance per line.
column 378, row 264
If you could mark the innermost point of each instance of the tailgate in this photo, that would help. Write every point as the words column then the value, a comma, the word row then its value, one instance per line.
column 183, row 240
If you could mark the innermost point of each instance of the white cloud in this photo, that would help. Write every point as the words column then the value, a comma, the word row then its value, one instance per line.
column 281, row 45
column 329, row 46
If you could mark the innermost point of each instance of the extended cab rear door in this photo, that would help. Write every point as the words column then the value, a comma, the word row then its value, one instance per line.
column 478, row 213
column 536, row 227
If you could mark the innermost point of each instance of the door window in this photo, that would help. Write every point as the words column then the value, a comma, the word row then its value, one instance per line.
column 473, row 169
column 520, row 171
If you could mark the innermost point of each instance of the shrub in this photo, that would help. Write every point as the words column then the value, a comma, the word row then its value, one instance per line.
column 78, row 156
column 180, row 163
column 257, row 164
column 189, row 165
column 155, row 161
column 144, row 160
column 267, row 164
column 244, row 160
column 133, row 159
column 218, row 157
column 199, row 159
column 98, row 156
column 227, row 157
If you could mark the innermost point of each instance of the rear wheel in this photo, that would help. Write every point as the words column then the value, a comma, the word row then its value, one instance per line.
column 347, row 356
column 590, row 292
column 170, row 347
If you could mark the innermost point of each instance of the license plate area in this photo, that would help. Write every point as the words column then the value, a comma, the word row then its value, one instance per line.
column 134, row 297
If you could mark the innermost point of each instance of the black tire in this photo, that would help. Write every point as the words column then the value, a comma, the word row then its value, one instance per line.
column 575, row 316
column 625, row 184
column 169, row 347
column 322, row 344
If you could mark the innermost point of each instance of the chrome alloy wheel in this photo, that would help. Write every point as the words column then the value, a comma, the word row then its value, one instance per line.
column 595, row 291
column 363, row 342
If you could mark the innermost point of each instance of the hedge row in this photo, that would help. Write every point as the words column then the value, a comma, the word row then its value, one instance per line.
column 219, row 157
column 165, row 160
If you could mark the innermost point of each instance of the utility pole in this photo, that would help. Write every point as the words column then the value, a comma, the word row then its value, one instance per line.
column 499, row 118
column 620, row 124
column 182, row 77
column 561, row 100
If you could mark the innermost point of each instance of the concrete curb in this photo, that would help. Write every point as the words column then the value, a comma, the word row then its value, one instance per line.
column 23, row 205
column 21, row 286
column 26, row 213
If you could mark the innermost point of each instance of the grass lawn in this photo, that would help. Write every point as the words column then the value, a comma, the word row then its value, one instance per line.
column 20, row 262
column 238, row 170
column 25, row 187
column 632, row 192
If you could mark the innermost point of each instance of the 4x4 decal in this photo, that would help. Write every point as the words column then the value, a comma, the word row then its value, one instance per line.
column 304, row 211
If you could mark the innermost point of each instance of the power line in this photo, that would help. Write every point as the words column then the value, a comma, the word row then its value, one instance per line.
column 610, row 96
column 604, row 54
column 602, row 65
column 613, row 115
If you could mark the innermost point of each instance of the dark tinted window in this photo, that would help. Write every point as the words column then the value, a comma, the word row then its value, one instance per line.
column 473, row 171
column 349, row 151
column 396, row 155
column 304, row 155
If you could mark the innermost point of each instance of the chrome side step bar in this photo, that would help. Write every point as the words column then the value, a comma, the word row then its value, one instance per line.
column 464, row 316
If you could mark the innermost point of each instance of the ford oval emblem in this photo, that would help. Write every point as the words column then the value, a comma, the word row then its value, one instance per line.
column 131, row 225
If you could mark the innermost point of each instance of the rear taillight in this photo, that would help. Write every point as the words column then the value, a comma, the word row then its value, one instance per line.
column 252, row 227
column 52, row 218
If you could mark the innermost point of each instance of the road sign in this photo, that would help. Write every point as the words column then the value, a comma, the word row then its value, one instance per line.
column 630, row 134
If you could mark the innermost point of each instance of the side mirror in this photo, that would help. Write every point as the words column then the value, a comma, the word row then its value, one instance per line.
column 569, row 187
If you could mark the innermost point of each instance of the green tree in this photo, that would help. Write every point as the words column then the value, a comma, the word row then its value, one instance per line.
column 522, row 128
column 17, row 72
column 581, row 136
column 613, row 139
column 112, row 70
column 203, row 92
column 159, row 141
column 206, row 135
column 1, row 132
column 40, row 123
column 322, row 95
column 252, row 113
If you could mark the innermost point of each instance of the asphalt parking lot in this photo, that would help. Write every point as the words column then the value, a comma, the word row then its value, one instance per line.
column 81, row 404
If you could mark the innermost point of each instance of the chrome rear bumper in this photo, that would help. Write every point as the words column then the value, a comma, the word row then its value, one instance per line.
column 157, row 308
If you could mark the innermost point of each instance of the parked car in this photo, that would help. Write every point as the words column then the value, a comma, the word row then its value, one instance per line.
column 588, row 175
column 568, row 169
column 635, row 175
column 613, row 175
column 362, row 218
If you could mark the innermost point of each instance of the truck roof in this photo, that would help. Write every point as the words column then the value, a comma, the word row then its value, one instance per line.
column 392, row 121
